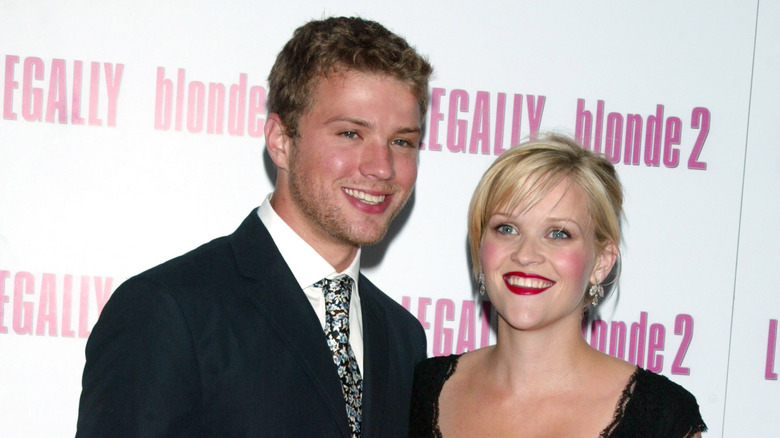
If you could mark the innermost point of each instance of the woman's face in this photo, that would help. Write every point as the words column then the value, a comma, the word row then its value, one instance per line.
column 538, row 261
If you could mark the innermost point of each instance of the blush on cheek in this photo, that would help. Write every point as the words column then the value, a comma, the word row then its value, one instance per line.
column 488, row 253
column 576, row 264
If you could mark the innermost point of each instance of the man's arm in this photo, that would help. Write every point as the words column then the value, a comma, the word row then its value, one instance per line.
column 141, row 376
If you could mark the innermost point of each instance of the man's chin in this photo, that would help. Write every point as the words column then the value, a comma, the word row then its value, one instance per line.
column 372, row 241
column 367, row 235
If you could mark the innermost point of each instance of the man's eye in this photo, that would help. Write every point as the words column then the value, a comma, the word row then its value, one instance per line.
column 404, row 143
column 349, row 134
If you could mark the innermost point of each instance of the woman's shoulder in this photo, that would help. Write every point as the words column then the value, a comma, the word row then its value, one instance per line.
column 657, row 403
column 657, row 387
column 442, row 366
column 429, row 378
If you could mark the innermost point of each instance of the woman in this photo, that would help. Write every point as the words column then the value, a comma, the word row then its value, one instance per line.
column 544, row 231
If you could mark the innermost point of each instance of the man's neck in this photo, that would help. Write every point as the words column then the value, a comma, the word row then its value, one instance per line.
column 336, row 252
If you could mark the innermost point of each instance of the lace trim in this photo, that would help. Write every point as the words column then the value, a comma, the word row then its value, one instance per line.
column 447, row 375
column 620, row 409
column 618, row 416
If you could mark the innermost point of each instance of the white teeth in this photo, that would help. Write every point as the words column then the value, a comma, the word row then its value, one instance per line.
column 365, row 197
column 529, row 282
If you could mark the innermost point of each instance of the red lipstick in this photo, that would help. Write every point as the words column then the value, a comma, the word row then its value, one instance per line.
column 520, row 283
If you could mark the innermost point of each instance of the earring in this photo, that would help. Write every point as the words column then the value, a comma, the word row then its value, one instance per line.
column 481, row 281
column 596, row 292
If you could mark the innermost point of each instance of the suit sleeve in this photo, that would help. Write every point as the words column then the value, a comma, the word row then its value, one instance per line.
column 418, row 340
column 141, row 374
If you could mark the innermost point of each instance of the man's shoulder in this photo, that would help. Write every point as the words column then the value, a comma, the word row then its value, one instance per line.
column 191, row 265
column 369, row 291
column 212, row 260
column 378, row 301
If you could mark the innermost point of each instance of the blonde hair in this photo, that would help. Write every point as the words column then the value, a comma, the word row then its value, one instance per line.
column 527, row 172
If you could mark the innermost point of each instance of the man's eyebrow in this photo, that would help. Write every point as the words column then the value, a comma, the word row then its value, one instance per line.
column 409, row 130
column 367, row 124
column 359, row 122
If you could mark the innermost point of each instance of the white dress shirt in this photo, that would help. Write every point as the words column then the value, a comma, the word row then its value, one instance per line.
column 309, row 267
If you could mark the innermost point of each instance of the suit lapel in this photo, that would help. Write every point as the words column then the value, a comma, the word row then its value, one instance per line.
column 376, row 360
column 280, row 301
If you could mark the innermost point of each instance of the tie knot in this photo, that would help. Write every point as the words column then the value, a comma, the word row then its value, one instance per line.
column 337, row 292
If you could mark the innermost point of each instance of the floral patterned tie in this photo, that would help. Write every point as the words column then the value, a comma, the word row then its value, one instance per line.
column 337, row 295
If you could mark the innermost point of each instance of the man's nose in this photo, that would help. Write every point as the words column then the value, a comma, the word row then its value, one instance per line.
column 376, row 160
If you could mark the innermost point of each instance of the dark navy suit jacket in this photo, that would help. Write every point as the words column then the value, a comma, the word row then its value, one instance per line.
column 222, row 342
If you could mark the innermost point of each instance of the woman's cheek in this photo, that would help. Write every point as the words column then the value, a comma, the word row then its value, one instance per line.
column 489, row 254
column 576, row 264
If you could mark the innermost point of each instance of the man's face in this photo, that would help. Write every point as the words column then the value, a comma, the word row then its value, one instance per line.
column 354, row 164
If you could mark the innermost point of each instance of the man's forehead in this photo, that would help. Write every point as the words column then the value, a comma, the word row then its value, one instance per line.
column 339, row 79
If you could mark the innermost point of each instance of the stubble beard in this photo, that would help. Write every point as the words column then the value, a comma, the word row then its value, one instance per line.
column 313, row 201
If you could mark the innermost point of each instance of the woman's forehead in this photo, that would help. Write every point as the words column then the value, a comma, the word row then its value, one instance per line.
column 563, row 199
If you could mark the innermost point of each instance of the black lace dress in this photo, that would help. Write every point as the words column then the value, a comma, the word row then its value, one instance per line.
column 651, row 405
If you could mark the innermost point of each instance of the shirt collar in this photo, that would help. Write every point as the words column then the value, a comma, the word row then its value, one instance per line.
column 306, row 264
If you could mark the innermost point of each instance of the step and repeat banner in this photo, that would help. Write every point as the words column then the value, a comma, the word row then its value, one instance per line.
column 114, row 157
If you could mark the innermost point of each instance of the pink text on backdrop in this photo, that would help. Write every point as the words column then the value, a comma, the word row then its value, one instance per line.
column 54, row 301
column 660, row 137
column 449, row 336
column 644, row 342
column 48, row 100
column 771, row 348
column 205, row 106
column 472, row 134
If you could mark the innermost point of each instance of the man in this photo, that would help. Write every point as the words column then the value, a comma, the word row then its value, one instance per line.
column 230, row 339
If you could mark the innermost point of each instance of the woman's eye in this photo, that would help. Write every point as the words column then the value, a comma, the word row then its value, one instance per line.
column 506, row 229
column 349, row 134
column 559, row 234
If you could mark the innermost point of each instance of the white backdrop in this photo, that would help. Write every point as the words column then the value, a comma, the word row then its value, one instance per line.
column 101, row 177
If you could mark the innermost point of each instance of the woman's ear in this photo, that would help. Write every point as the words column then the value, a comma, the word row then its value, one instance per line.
column 605, row 260
column 277, row 141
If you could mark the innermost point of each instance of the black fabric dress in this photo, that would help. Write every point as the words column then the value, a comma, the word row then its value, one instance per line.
column 651, row 405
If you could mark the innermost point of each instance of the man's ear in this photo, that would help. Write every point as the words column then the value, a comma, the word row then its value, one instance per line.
column 605, row 260
column 277, row 142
